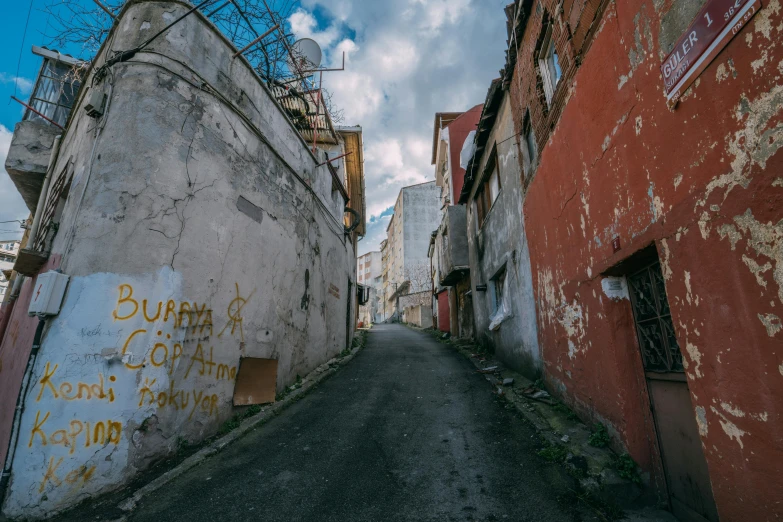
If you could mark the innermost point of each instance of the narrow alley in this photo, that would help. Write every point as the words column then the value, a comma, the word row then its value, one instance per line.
column 406, row 431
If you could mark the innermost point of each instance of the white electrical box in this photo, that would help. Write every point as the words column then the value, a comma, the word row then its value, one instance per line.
column 48, row 294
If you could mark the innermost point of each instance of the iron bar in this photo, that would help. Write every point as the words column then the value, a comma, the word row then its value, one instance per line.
column 327, row 70
column 296, row 67
column 38, row 113
column 258, row 39
column 335, row 159
column 105, row 9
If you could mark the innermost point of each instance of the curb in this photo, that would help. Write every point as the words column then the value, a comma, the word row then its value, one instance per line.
column 313, row 379
column 602, row 481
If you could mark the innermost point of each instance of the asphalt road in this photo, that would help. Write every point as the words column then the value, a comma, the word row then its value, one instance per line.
column 406, row 431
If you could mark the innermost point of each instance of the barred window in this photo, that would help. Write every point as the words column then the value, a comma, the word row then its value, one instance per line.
column 54, row 93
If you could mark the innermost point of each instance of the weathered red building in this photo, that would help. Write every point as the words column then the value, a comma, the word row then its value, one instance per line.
column 656, row 236
column 449, row 243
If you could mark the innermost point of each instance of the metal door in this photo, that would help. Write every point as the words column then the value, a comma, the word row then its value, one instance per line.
column 687, row 476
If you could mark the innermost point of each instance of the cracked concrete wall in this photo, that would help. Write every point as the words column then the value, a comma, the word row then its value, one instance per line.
column 702, row 182
column 197, row 231
column 501, row 241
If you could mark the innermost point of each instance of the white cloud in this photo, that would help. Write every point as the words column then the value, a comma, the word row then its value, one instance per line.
column 304, row 25
column 405, row 61
column 23, row 84
column 11, row 204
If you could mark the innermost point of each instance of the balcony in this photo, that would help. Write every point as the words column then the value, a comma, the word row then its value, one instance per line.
column 451, row 243
column 28, row 157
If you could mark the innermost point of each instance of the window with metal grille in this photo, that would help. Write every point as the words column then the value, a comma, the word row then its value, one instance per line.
column 54, row 92
column 654, row 327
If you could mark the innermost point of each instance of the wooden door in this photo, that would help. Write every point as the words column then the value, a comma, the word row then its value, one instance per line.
column 687, row 476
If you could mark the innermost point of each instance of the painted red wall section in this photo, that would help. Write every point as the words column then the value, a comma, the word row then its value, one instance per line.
column 14, row 352
column 444, row 317
column 458, row 131
column 704, row 183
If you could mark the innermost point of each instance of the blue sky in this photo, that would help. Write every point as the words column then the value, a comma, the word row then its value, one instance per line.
column 405, row 61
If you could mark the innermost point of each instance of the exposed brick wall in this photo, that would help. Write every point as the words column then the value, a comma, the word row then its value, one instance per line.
column 572, row 23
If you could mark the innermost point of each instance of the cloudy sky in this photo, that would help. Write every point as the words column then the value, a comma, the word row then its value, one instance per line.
column 405, row 61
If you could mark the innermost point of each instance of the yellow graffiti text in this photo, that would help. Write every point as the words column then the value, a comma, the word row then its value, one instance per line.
column 93, row 433
column 79, row 475
column 66, row 391
column 178, row 399
column 128, row 307
column 234, row 313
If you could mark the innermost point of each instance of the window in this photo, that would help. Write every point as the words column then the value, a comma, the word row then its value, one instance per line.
column 549, row 65
column 654, row 325
column 488, row 190
column 55, row 91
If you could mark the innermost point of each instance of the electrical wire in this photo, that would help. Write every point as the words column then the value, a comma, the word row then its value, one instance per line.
column 247, row 121
column 21, row 47
column 123, row 56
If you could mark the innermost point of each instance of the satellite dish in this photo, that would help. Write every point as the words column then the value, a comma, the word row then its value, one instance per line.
column 306, row 56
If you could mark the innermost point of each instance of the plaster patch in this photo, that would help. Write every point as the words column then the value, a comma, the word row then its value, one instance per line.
column 638, row 125
column 701, row 420
column 665, row 268
column 689, row 293
column 730, row 428
column 753, row 144
column 704, row 224
column 730, row 231
column 730, row 408
column 638, row 52
column 677, row 180
column 772, row 323
column 763, row 22
column 722, row 72
column 757, row 269
column 778, row 182
column 144, row 26
column 766, row 240
column 759, row 63
column 695, row 356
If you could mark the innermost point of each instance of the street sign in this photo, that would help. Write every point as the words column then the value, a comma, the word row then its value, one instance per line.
column 716, row 24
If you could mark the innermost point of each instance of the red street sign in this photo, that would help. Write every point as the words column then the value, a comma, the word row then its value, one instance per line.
column 715, row 25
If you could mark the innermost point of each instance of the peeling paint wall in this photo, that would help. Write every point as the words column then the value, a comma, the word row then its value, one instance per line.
column 701, row 182
column 498, row 242
column 193, row 208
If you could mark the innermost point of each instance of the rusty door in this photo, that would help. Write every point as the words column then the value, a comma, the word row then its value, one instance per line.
column 687, row 476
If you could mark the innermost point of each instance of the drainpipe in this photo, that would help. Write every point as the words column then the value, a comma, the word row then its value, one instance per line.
column 44, row 191
column 9, row 459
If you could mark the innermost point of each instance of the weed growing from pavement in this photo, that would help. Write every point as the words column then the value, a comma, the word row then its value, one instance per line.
column 599, row 438
column 553, row 453
column 562, row 408
column 626, row 467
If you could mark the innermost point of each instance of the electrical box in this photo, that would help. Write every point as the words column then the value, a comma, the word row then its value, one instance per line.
column 48, row 294
column 96, row 104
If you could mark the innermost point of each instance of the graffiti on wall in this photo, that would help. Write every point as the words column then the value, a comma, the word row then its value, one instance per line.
column 121, row 352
